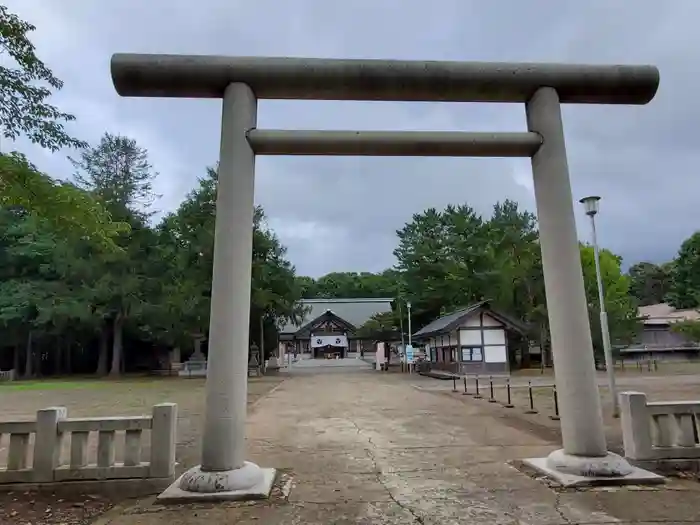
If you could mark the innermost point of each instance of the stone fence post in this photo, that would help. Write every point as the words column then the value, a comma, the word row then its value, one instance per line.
column 636, row 425
column 163, row 440
column 47, row 444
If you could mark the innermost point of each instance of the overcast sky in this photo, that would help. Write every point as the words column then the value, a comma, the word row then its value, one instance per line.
column 340, row 214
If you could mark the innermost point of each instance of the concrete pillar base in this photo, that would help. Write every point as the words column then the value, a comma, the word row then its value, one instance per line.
column 249, row 482
column 572, row 471
column 610, row 465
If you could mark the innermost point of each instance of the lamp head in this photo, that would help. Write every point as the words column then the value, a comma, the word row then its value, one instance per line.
column 591, row 204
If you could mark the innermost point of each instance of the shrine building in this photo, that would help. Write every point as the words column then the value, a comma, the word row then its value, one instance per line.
column 329, row 327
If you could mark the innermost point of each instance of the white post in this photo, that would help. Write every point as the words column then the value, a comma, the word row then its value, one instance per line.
column 636, row 425
column 604, row 329
column 584, row 448
column 163, row 440
column 47, row 443
column 223, row 442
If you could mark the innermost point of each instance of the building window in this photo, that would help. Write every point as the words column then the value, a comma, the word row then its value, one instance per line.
column 472, row 353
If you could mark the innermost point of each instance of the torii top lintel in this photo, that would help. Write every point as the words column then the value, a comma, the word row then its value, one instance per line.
column 198, row 76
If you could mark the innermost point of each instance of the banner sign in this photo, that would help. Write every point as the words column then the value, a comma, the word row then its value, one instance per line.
column 318, row 341
column 409, row 354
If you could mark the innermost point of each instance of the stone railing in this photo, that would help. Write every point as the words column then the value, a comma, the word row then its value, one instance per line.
column 52, row 425
column 7, row 375
column 657, row 431
column 193, row 368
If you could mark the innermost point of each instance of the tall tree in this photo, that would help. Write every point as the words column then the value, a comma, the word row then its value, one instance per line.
column 37, row 300
column 649, row 283
column 444, row 259
column 275, row 289
column 684, row 291
column 117, row 172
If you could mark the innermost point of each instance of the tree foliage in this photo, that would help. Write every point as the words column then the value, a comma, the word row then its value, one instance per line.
column 650, row 283
column 25, row 88
column 118, row 173
column 67, row 304
column 71, row 211
column 689, row 329
column 26, row 83
column 684, row 290
column 621, row 307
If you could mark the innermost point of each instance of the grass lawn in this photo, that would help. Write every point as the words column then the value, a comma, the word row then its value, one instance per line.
column 49, row 384
column 127, row 396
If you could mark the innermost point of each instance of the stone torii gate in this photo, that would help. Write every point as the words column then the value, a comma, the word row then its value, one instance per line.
column 240, row 81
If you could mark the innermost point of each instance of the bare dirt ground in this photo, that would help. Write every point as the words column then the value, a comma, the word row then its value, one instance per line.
column 370, row 448
column 135, row 396
column 667, row 384
column 365, row 447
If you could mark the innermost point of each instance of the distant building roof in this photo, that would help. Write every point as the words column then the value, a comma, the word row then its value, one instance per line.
column 451, row 321
column 355, row 311
column 664, row 313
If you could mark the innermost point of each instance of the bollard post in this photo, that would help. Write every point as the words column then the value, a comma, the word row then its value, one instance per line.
column 509, row 403
column 454, row 383
column 622, row 365
column 465, row 387
column 555, row 416
column 532, row 409
column 492, row 399
column 477, row 395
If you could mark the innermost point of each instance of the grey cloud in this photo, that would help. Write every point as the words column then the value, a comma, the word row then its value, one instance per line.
column 341, row 213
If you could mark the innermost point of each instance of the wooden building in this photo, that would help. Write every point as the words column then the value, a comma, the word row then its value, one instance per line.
column 330, row 325
column 472, row 340
column 657, row 341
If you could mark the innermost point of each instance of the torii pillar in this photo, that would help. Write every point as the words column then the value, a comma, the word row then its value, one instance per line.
column 240, row 81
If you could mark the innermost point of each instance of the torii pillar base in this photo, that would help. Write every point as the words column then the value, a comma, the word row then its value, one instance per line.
column 250, row 482
column 579, row 471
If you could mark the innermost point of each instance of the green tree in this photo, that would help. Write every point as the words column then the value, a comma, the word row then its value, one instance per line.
column 25, row 86
column 649, row 283
column 118, row 174
column 25, row 89
column 689, row 329
column 621, row 307
column 37, row 301
column 70, row 211
column 275, row 289
column 117, row 171
column 445, row 261
column 352, row 285
column 684, row 290
column 381, row 327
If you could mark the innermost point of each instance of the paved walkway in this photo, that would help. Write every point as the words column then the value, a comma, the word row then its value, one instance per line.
column 369, row 448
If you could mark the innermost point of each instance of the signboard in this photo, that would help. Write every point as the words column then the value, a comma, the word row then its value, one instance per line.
column 409, row 354
column 318, row 341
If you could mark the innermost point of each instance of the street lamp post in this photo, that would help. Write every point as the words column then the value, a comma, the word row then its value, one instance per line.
column 591, row 205
column 410, row 343
column 408, row 307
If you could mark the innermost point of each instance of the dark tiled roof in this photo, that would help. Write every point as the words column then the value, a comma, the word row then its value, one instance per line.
column 449, row 322
column 354, row 311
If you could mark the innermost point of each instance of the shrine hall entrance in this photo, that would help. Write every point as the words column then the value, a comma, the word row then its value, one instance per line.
column 329, row 347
